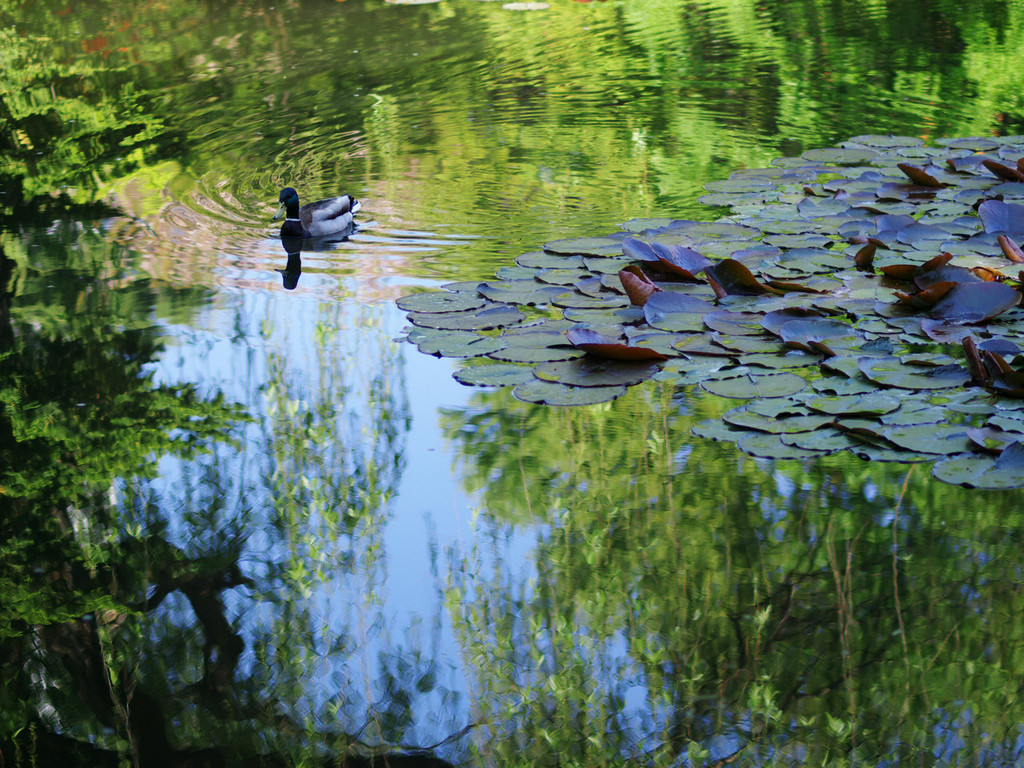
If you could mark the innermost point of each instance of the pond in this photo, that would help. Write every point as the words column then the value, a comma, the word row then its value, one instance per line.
column 243, row 521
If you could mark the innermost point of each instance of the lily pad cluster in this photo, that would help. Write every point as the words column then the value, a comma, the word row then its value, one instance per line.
column 862, row 298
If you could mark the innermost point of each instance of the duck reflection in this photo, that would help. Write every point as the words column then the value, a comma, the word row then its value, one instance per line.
column 293, row 269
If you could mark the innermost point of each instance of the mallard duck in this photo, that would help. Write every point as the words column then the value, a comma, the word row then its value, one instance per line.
column 324, row 217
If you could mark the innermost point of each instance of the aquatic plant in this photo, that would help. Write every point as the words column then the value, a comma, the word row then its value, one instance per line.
column 862, row 298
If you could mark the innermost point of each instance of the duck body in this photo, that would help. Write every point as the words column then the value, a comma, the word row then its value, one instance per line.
column 332, row 216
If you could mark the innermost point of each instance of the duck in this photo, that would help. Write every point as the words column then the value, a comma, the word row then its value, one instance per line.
column 331, row 216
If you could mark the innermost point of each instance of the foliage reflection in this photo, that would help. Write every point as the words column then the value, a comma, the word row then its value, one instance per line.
column 681, row 601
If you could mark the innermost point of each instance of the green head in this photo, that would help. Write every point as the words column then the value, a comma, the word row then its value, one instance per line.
column 289, row 200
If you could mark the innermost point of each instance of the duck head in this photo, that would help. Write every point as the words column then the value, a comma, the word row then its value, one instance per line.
column 289, row 207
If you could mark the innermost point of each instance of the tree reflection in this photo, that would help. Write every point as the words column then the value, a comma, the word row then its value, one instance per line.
column 170, row 613
column 682, row 603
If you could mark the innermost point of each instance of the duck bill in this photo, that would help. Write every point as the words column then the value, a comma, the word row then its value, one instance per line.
column 280, row 212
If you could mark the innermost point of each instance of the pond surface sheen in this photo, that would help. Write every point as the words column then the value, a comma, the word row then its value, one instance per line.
column 242, row 518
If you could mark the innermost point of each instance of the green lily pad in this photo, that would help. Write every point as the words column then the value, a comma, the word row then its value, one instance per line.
column 750, row 386
column 840, row 156
column 943, row 439
column 890, row 372
column 494, row 375
column 874, row 404
column 461, row 344
column 585, row 246
column 521, row 292
column 824, row 439
column 542, row 260
column 552, row 393
column 494, row 316
column 978, row 471
column 744, row 417
column 714, row 429
column 440, row 301
column 595, row 372
column 774, row 447
column 539, row 354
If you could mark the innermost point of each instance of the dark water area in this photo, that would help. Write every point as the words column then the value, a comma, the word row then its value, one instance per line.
column 242, row 522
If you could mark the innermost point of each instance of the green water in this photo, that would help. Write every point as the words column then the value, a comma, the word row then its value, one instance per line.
column 239, row 517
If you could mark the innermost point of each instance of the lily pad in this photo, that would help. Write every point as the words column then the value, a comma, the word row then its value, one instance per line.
column 585, row 246
column 890, row 372
column 977, row 471
column 494, row 375
column 612, row 349
column 551, row 393
column 595, row 372
column 495, row 316
column 750, row 386
column 975, row 302
column 440, row 301
column 774, row 447
column 874, row 404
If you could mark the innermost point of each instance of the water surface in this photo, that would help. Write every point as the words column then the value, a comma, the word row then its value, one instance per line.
column 346, row 552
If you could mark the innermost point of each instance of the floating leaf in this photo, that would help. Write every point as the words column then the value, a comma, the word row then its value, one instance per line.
column 731, row 277
column 484, row 319
column 494, row 375
column 637, row 285
column 551, row 393
column 874, row 404
column 840, row 156
column 774, row 447
column 522, row 292
column 671, row 311
column 942, row 439
column 1003, row 171
column 612, row 349
column 595, row 372
column 801, row 333
column 1002, row 473
column 586, row 246
column 744, row 417
column 975, row 302
column 919, row 175
column 461, row 344
column 440, row 301
column 538, row 354
column 998, row 216
column 1011, row 249
column 685, row 263
column 750, row 386
column 992, row 439
column 890, row 372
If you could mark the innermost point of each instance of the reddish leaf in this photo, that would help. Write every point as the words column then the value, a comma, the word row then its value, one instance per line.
column 637, row 285
column 902, row 272
column 781, row 285
column 907, row 272
column 987, row 274
column 1003, row 171
column 821, row 347
column 974, row 364
column 1011, row 250
column 735, row 279
column 939, row 261
column 928, row 297
column 865, row 257
column 919, row 175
